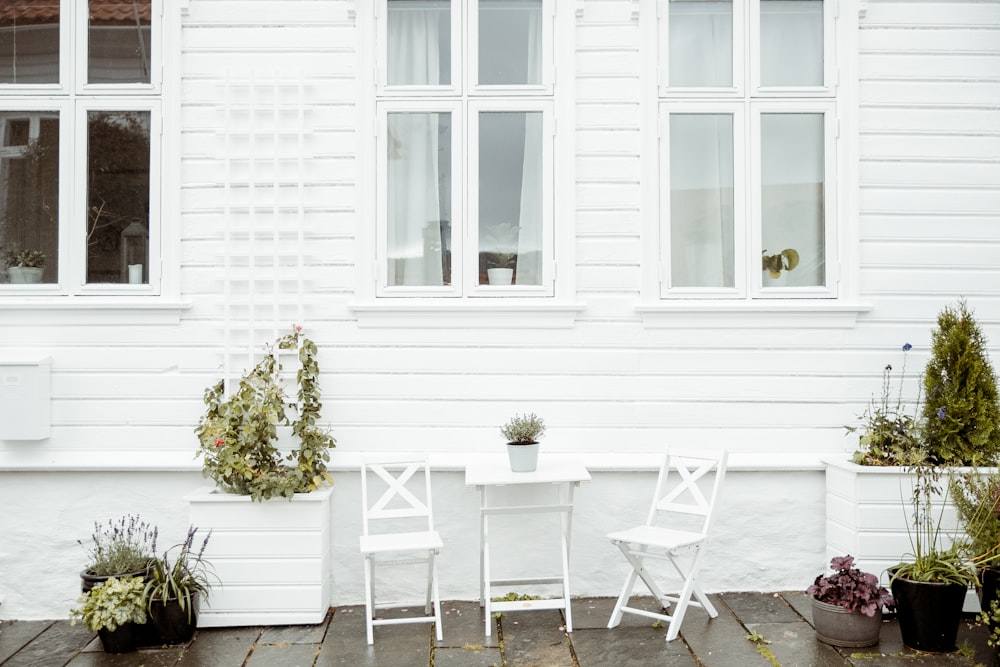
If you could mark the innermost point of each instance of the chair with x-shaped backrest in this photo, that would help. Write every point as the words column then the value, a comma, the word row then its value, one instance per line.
column 676, row 531
column 398, row 524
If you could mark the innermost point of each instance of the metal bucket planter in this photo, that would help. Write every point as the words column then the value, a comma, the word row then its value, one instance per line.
column 837, row 626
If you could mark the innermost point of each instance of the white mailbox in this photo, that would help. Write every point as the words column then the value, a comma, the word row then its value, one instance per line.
column 25, row 398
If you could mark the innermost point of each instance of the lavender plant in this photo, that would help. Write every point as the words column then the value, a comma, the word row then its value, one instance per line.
column 180, row 574
column 121, row 546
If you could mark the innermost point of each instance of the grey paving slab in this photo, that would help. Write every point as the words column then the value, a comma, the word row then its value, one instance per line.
column 346, row 643
column 535, row 638
column 219, row 647
column 629, row 647
column 15, row 635
column 468, row 656
column 462, row 624
column 593, row 613
column 284, row 654
column 760, row 607
column 294, row 634
column 795, row 645
column 721, row 641
column 54, row 647
column 142, row 658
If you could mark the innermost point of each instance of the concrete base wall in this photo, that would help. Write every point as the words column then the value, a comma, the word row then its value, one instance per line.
column 769, row 535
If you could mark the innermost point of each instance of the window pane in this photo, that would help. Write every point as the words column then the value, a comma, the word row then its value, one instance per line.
column 701, row 200
column 419, row 36
column 29, row 196
column 119, row 37
column 29, row 42
column 791, row 35
column 792, row 198
column 118, row 196
column 418, row 155
column 701, row 43
column 510, row 197
column 510, row 42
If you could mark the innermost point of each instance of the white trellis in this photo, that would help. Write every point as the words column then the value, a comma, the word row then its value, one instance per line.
column 263, row 165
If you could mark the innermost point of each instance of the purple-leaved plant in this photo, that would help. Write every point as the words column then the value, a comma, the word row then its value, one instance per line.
column 851, row 588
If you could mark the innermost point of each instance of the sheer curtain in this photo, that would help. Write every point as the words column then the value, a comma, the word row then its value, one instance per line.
column 529, row 256
column 701, row 43
column 791, row 42
column 414, row 215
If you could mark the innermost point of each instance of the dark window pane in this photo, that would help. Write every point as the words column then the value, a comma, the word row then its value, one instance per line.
column 29, row 201
column 117, row 196
column 29, row 41
column 119, row 34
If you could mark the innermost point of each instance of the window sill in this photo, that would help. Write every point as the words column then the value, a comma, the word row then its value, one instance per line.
column 92, row 310
column 797, row 314
column 465, row 314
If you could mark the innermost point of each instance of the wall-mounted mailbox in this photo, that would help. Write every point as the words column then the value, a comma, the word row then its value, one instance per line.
column 25, row 398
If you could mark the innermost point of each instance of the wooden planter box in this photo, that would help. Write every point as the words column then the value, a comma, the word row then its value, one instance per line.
column 272, row 559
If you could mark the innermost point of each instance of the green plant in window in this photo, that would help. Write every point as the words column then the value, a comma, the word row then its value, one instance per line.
column 25, row 258
column 786, row 260
column 502, row 245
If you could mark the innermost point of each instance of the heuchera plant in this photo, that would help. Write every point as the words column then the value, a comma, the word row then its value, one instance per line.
column 851, row 588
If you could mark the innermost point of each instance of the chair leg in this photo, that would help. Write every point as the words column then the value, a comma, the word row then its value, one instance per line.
column 689, row 589
column 369, row 600
column 439, row 631
column 623, row 597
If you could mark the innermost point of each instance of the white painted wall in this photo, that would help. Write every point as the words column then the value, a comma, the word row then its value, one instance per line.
column 127, row 381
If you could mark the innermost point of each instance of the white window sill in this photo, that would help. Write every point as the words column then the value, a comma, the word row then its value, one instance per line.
column 466, row 314
column 92, row 310
column 798, row 313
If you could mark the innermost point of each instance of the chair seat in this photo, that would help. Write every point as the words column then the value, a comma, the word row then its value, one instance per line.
column 429, row 539
column 657, row 536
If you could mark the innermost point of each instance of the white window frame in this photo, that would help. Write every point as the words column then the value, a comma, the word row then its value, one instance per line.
column 73, row 98
column 467, row 309
column 752, row 99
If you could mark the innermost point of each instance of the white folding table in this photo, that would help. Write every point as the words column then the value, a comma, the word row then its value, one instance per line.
column 565, row 473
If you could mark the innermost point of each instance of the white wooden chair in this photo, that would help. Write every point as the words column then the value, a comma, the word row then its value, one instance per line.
column 676, row 531
column 398, row 524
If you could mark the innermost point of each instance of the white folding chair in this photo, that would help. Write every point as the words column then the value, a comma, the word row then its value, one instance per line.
column 399, row 530
column 675, row 531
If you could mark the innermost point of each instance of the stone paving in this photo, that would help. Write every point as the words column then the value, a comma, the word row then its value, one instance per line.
column 752, row 629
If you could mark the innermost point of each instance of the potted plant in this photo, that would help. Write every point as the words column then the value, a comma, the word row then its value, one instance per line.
column 976, row 496
column 25, row 266
column 120, row 547
column 929, row 587
column 773, row 265
column 114, row 609
column 238, row 434
column 177, row 581
column 522, row 433
column 502, row 259
column 961, row 411
column 847, row 605
column 271, row 506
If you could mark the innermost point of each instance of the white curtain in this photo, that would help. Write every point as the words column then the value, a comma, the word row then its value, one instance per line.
column 791, row 36
column 529, row 256
column 414, row 216
column 701, row 43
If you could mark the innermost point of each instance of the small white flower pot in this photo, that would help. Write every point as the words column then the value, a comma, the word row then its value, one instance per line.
column 500, row 276
column 24, row 275
column 523, row 458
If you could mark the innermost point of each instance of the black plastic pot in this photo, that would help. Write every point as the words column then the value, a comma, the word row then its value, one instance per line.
column 929, row 613
column 989, row 587
column 123, row 639
column 89, row 580
column 172, row 624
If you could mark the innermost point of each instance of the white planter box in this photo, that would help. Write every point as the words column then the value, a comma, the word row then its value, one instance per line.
column 869, row 513
column 272, row 559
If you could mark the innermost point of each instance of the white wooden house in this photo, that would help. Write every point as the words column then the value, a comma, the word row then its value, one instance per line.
column 201, row 174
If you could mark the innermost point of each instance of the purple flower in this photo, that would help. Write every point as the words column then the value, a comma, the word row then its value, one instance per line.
column 940, row 412
column 907, row 347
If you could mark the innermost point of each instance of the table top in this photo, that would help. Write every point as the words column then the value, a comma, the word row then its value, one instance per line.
column 552, row 468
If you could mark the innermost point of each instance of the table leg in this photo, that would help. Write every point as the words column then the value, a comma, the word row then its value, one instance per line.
column 485, row 591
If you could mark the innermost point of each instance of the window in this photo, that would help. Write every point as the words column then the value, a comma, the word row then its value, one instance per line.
column 79, row 112
column 464, row 148
column 748, row 123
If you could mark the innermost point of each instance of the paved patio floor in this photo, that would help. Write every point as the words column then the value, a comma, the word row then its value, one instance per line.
column 780, row 623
